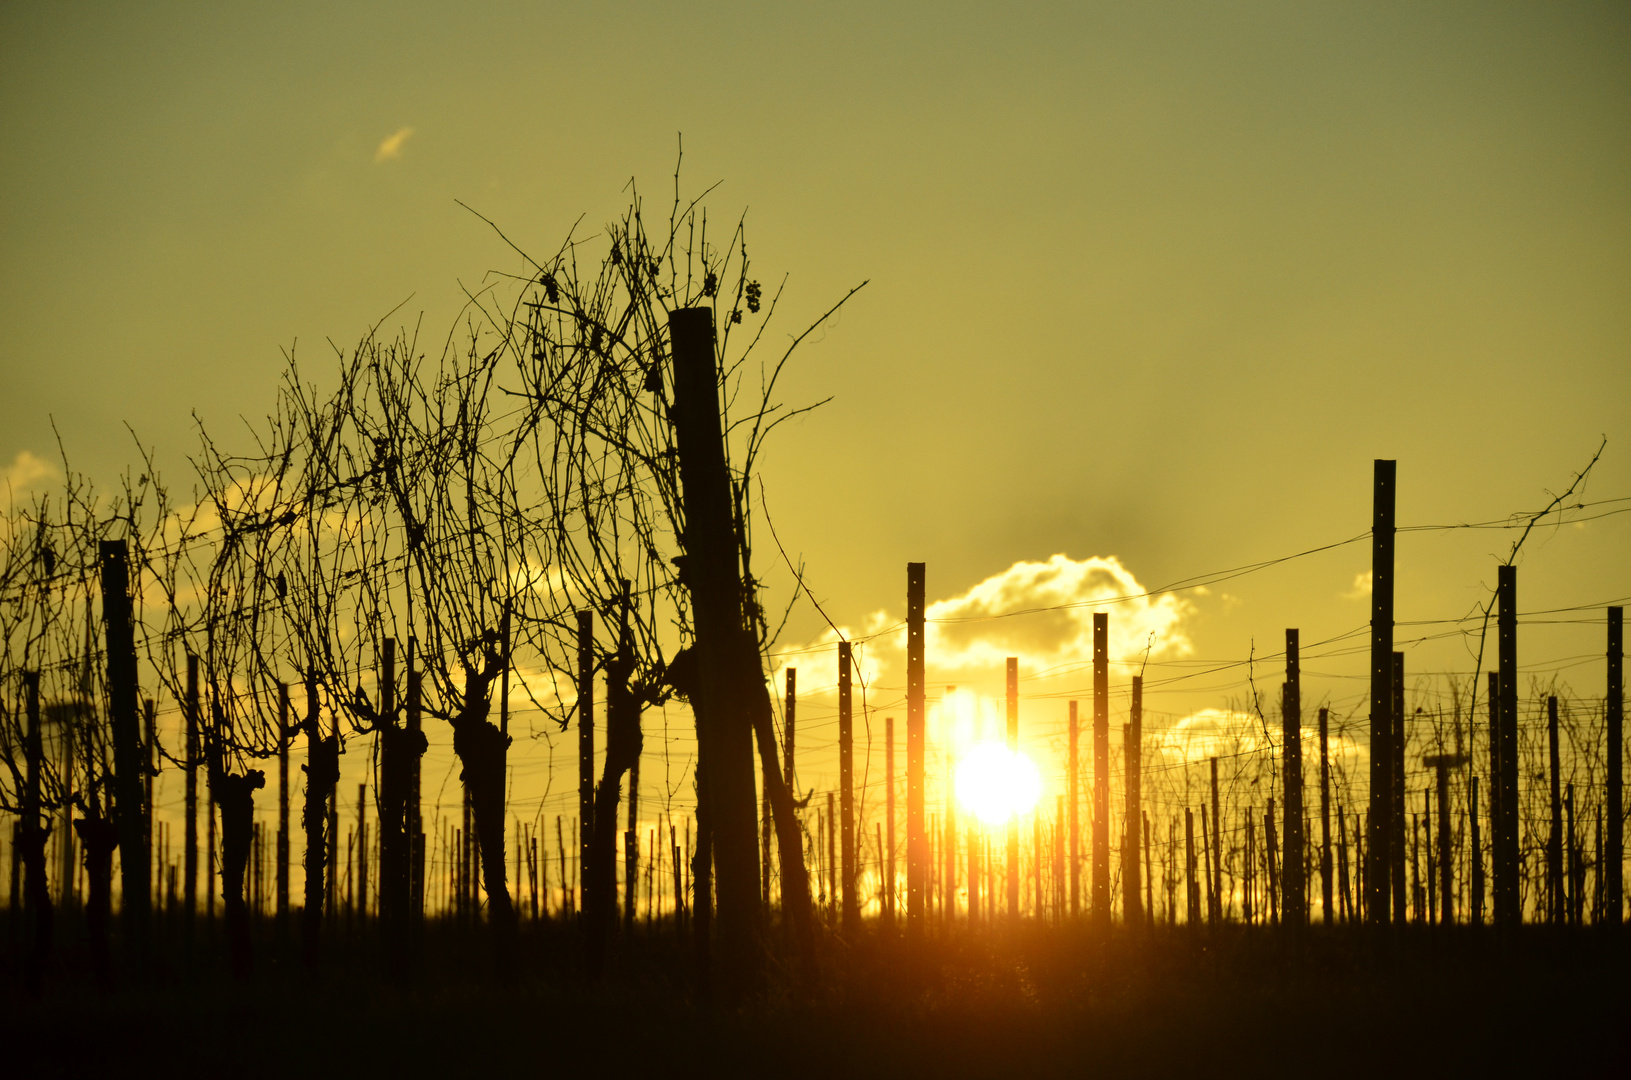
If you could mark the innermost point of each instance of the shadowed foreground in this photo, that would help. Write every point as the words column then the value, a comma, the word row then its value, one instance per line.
column 1046, row 1002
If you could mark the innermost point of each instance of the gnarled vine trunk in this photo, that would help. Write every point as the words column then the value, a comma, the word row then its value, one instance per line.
column 322, row 771
column 236, row 794
column 99, row 838
column 623, row 743
column 481, row 749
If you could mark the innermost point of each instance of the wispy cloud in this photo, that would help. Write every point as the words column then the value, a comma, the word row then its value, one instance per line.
column 391, row 147
column 1041, row 612
column 1361, row 589
column 25, row 470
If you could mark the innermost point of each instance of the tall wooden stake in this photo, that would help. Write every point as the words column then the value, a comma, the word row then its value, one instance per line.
column 1476, row 916
column 1614, row 899
column 851, row 902
column 889, row 820
column 948, row 848
column 1325, row 820
column 1193, row 887
column 1072, row 778
column 1214, row 881
column 916, row 841
column 1381, row 693
column 1507, row 910
column 1396, row 761
column 1101, row 769
column 1013, row 822
column 414, row 715
column 189, row 873
column 135, row 882
column 1446, row 899
column 586, row 748
column 1132, row 746
column 1296, row 893
column 284, row 736
column 1554, row 836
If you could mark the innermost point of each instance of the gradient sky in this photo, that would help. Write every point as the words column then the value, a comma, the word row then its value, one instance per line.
column 1150, row 281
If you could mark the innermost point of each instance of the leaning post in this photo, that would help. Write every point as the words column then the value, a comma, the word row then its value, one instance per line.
column 1378, row 858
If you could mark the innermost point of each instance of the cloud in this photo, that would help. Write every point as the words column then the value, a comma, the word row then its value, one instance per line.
column 1361, row 589
column 1041, row 612
column 25, row 470
column 391, row 147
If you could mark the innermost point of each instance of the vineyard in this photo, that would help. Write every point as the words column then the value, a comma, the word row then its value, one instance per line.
column 454, row 686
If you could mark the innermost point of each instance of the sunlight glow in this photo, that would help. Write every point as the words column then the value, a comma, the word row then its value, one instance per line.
column 995, row 783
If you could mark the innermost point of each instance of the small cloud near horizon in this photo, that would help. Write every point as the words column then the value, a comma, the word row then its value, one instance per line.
column 391, row 147
column 25, row 469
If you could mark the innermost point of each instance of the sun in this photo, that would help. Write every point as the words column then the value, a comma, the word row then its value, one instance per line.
column 995, row 783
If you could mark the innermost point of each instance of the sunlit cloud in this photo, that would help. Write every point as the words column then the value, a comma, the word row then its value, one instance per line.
column 391, row 147
column 1041, row 612
column 25, row 470
column 1361, row 587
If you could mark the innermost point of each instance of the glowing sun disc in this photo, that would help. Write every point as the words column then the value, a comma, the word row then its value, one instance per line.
column 995, row 783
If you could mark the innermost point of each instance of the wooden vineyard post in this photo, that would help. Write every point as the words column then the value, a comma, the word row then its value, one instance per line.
column 1573, row 863
column 362, row 854
column 1442, row 764
column 1192, row 888
column 1476, row 913
column 1169, row 869
column 1296, row 914
column 1271, row 847
column 586, row 747
column 38, row 916
column 1149, row 874
column 135, row 883
column 916, row 841
column 150, row 769
column 1012, row 867
column 1507, row 910
column 851, row 905
column 631, row 851
column 1494, row 795
column 1554, row 836
column 788, row 729
column 1132, row 746
column 1614, row 853
column 1325, row 819
column 788, row 744
column 1345, row 905
column 1415, row 867
column 833, row 897
column 284, row 736
column 948, row 847
column 1597, row 876
column 889, row 820
column 189, row 872
column 1397, row 847
column 1073, row 795
column 878, row 825
column 415, row 821
column 1378, row 859
column 1207, row 866
column 1214, row 881
column 1101, row 769
column 1247, row 910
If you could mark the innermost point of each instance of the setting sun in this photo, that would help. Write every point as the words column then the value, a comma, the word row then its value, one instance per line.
column 995, row 783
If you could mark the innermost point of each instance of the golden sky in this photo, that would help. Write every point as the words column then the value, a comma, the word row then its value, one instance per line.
column 1149, row 282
